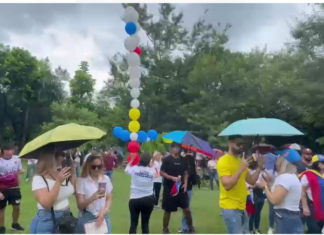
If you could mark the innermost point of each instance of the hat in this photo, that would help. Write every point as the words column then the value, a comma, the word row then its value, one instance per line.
column 290, row 155
column 318, row 158
column 7, row 146
column 307, row 151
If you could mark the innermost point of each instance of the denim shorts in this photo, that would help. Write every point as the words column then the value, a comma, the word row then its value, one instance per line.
column 85, row 217
column 43, row 223
column 236, row 221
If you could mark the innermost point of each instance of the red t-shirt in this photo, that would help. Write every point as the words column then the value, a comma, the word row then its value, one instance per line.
column 109, row 162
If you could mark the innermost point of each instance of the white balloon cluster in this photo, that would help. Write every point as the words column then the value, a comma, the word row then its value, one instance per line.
column 131, row 44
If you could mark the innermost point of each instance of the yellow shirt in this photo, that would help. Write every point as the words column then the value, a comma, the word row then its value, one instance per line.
column 236, row 197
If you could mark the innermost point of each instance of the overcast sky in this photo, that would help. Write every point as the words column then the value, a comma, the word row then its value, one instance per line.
column 69, row 33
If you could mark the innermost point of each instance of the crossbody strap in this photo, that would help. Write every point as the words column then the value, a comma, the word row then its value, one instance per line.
column 52, row 209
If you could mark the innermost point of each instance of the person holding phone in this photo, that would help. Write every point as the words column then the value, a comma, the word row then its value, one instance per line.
column 233, row 174
column 56, row 195
column 94, row 196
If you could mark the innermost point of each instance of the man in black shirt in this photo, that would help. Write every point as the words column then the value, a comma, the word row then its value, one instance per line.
column 174, row 169
column 306, row 160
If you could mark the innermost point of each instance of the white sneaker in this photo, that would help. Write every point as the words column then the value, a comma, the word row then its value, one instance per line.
column 270, row 231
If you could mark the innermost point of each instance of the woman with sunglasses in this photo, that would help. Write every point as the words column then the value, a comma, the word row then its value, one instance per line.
column 142, row 199
column 93, row 194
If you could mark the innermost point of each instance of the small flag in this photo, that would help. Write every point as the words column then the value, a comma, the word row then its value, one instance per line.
column 249, row 205
column 175, row 189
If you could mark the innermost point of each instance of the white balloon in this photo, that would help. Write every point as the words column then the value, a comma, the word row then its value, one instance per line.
column 130, row 14
column 135, row 93
column 134, row 83
column 148, row 139
column 135, row 103
column 133, row 59
column 134, row 72
column 133, row 136
column 138, row 27
column 132, row 42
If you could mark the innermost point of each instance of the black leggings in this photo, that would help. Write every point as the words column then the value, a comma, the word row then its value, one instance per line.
column 143, row 206
column 157, row 189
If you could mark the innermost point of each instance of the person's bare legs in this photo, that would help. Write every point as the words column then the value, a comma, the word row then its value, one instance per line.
column 15, row 214
column 187, row 215
column 166, row 221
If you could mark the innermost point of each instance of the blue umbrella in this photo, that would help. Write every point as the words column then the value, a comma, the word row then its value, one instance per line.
column 261, row 127
column 189, row 141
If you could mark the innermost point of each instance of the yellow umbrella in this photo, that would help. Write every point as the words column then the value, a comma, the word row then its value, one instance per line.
column 62, row 137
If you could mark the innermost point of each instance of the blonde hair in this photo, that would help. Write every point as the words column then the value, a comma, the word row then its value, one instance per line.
column 86, row 167
column 283, row 166
column 157, row 156
column 45, row 164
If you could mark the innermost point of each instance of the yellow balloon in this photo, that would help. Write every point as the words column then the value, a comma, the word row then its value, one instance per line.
column 134, row 114
column 134, row 126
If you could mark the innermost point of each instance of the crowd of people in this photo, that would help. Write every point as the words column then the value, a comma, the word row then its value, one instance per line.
column 293, row 189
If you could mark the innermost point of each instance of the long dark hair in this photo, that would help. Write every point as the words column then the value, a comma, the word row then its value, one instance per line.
column 315, row 166
column 145, row 159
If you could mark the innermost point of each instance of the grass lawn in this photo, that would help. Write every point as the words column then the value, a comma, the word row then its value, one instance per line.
column 206, row 212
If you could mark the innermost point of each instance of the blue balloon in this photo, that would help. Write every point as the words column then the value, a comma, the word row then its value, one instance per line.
column 117, row 131
column 142, row 136
column 125, row 136
column 152, row 134
column 130, row 28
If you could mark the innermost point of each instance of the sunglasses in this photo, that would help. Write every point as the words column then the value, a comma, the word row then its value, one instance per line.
column 94, row 167
column 239, row 144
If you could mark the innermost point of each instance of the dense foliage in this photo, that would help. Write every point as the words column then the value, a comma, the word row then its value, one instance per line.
column 190, row 81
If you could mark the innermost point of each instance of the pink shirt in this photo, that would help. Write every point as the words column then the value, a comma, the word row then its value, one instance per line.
column 9, row 169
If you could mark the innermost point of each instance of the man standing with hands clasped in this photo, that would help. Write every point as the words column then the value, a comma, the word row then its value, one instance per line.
column 233, row 174
column 174, row 169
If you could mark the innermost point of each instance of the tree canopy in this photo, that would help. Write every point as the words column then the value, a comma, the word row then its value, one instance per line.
column 190, row 81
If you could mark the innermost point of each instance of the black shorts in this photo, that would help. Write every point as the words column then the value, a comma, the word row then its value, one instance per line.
column 11, row 197
column 171, row 203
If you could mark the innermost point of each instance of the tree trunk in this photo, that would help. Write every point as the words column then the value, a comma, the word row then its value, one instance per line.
column 25, row 128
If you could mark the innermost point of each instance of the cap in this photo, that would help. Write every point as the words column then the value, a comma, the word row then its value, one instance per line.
column 290, row 155
column 318, row 158
column 307, row 151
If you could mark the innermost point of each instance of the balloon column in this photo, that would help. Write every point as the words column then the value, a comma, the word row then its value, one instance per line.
column 133, row 135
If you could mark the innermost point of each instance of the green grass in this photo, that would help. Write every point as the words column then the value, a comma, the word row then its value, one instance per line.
column 206, row 212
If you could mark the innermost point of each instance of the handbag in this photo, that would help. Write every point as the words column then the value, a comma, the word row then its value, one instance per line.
column 65, row 225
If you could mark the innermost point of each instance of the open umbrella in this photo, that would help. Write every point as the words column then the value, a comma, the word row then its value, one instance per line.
column 295, row 146
column 62, row 137
column 189, row 141
column 260, row 127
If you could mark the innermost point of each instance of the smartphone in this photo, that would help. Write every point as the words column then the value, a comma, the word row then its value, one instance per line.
column 102, row 187
column 67, row 162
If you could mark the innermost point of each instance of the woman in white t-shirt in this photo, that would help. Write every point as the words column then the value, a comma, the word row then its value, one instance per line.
column 285, row 195
column 157, row 162
column 141, row 198
column 211, row 165
column 52, row 189
column 94, row 194
column 310, row 182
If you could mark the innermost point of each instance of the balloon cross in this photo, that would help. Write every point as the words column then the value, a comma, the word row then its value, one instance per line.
column 133, row 135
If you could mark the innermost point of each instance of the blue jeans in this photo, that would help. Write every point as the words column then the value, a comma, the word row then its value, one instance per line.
column 236, row 221
column 184, row 224
column 213, row 175
column 43, row 223
column 271, row 215
column 109, row 174
column 30, row 168
column 288, row 222
column 86, row 217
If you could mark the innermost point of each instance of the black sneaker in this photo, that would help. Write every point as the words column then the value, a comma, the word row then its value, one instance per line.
column 192, row 230
column 2, row 230
column 17, row 227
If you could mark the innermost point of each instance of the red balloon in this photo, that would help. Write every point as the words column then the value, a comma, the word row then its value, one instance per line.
column 133, row 147
column 138, row 50
column 136, row 159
